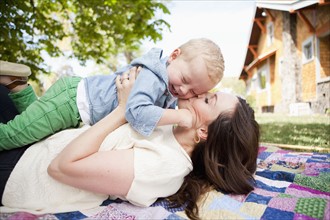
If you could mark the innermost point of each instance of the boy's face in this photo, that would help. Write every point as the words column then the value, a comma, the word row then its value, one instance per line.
column 187, row 80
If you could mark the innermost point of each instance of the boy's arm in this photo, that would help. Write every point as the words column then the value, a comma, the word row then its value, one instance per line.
column 182, row 117
column 146, row 104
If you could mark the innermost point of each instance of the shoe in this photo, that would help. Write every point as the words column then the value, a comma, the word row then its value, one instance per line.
column 12, row 81
column 13, row 74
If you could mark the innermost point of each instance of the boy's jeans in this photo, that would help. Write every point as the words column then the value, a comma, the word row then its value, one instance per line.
column 56, row 110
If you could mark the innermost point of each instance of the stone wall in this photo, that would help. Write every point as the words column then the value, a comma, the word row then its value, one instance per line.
column 290, row 66
column 322, row 104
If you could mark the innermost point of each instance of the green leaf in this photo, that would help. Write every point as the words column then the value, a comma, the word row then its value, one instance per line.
column 98, row 30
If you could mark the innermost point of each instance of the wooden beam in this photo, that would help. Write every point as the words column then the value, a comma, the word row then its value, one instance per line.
column 253, row 48
column 323, row 30
column 249, row 73
column 303, row 17
column 324, row 2
column 270, row 14
column 260, row 25
column 245, row 68
column 261, row 19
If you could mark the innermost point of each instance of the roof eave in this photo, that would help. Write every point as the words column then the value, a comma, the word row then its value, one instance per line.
column 289, row 6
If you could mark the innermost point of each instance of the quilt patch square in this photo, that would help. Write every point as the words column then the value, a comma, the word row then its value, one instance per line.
column 298, row 216
column 265, row 192
column 302, row 191
column 253, row 209
column 320, row 182
column 274, row 214
column 314, row 169
column 286, row 204
column 112, row 213
column 258, row 198
column 313, row 207
column 70, row 215
column 269, row 187
column 261, row 149
column 281, row 175
column 264, row 155
column 225, row 203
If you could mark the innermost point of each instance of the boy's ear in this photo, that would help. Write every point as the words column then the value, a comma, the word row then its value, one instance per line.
column 202, row 132
column 174, row 54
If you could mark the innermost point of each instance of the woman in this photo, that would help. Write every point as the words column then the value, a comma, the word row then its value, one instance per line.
column 222, row 145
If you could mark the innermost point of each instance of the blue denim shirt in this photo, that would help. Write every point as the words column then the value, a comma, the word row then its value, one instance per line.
column 147, row 100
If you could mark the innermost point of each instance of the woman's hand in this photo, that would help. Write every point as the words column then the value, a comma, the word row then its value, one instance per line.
column 124, row 85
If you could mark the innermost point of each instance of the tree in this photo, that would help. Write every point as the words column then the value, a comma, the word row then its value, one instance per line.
column 234, row 85
column 96, row 29
column 238, row 87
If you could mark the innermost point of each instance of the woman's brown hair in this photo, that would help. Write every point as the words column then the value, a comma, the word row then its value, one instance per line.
column 226, row 161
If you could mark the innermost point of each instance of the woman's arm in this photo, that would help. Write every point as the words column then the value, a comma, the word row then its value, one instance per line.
column 81, row 165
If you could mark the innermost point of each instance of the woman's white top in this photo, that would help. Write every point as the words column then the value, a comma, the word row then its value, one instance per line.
column 160, row 165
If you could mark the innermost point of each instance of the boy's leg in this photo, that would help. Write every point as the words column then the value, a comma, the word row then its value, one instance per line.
column 23, row 98
column 54, row 111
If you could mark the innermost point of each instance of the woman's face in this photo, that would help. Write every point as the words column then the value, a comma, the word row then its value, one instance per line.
column 207, row 107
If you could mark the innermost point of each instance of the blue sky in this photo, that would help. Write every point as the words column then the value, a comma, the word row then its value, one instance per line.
column 226, row 22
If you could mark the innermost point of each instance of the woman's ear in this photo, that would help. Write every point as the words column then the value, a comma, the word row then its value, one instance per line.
column 174, row 55
column 202, row 132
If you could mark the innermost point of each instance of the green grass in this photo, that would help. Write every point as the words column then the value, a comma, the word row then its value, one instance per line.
column 311, row 130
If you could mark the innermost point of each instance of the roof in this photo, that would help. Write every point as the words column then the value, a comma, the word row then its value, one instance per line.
column 286, row 5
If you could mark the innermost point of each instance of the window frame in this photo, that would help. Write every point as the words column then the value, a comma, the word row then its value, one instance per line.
column 308, row 41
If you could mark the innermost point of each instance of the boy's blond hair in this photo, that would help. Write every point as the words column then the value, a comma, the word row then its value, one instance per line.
column 211, row 54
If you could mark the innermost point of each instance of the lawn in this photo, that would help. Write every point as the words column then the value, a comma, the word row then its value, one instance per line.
column 311, row 130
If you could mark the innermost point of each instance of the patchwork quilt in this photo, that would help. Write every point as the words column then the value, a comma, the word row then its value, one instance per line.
column 289, row 185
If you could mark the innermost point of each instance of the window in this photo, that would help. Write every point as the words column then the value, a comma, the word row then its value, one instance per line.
column 307, row 49
column 270, row 33
column 262, row 76
column 262, row 79
column 254, row 83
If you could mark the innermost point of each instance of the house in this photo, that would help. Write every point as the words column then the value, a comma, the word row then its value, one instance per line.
column 287, row 64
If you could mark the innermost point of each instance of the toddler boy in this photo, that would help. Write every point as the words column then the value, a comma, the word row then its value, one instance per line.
column 190, row 70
